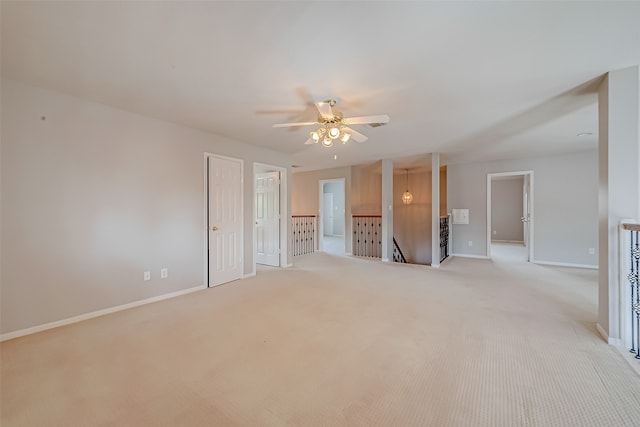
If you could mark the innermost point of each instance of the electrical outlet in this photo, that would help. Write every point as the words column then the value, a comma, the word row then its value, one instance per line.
column 592, row 251
column 147, row 275
column 164, row 273
column 470, row 243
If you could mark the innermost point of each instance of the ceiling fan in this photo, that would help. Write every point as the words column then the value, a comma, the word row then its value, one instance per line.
column 334, row 126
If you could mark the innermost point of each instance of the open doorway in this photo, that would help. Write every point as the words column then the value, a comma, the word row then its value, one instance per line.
column 510, row 216
column 270, row 232
column 332, row 212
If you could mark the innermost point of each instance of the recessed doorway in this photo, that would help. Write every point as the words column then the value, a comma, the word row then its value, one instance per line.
column 270, row 207
column 510, row 216
column 332, row 216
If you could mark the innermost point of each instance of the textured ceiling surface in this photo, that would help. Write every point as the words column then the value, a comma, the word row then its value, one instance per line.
column 472, row 80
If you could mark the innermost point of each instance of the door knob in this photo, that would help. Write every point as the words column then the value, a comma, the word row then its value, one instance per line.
column 213, row 228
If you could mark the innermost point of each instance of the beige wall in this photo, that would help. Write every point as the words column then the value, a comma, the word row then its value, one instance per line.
column 443, row 191
column 366, row 190
column 412, row 223
column 94, row 196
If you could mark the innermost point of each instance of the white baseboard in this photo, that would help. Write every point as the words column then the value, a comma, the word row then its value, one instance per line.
column 470, row 256
column 87, row 316
column 508, row 241
column 386, row 260
column 246, row 276
column 565, row 264
column 608, row 340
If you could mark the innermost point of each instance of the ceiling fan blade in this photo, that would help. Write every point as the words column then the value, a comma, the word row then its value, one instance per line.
column 382, row 118
column 286, row 125
column 309, row 141
column 325, row 110
column 357, row 136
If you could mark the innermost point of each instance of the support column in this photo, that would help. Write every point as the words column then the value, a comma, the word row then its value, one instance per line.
column 619, row 179
column 387, row 210
column 435, row 210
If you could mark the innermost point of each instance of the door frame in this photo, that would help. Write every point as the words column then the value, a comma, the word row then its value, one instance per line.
column 531, row 209
column 207, row 155
column 284, row 216
column 320, row 226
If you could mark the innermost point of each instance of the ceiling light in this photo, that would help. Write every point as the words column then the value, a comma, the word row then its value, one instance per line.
column 330, row 131
column 334, row 132
column 327, row 141
column 407, row 197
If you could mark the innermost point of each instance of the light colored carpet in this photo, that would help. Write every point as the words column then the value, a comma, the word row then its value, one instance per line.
column 333, row 244
column 336, row 341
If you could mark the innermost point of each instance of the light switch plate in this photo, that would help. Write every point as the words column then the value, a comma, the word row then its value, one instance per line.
column 460, row 216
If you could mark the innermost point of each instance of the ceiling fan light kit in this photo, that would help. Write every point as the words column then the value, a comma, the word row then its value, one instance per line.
column 334, row 132
column 334, row 126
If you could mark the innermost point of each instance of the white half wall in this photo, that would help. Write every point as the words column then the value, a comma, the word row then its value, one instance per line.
column 93, row 196
column 565, row 210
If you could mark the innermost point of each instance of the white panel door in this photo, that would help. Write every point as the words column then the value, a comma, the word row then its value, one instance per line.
column 225, row 220
column 268, row 218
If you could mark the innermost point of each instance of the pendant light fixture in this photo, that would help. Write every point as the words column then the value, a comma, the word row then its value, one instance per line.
column 407, row 197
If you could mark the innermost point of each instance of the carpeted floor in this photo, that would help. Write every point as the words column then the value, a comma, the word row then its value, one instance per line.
column 336, row 341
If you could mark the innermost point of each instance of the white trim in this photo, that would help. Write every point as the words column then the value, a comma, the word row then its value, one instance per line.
column 508, row 241
column 605, row 336
column 565, row 264
column 246, row 276
column 87, row 316
column 471, row 256
column 385, row 259
column 435, row 209
column 288, row 265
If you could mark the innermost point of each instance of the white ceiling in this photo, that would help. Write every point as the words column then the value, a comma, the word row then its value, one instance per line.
column 474, row 81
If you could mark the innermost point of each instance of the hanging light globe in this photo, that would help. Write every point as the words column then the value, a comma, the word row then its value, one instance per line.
column 407, row 198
